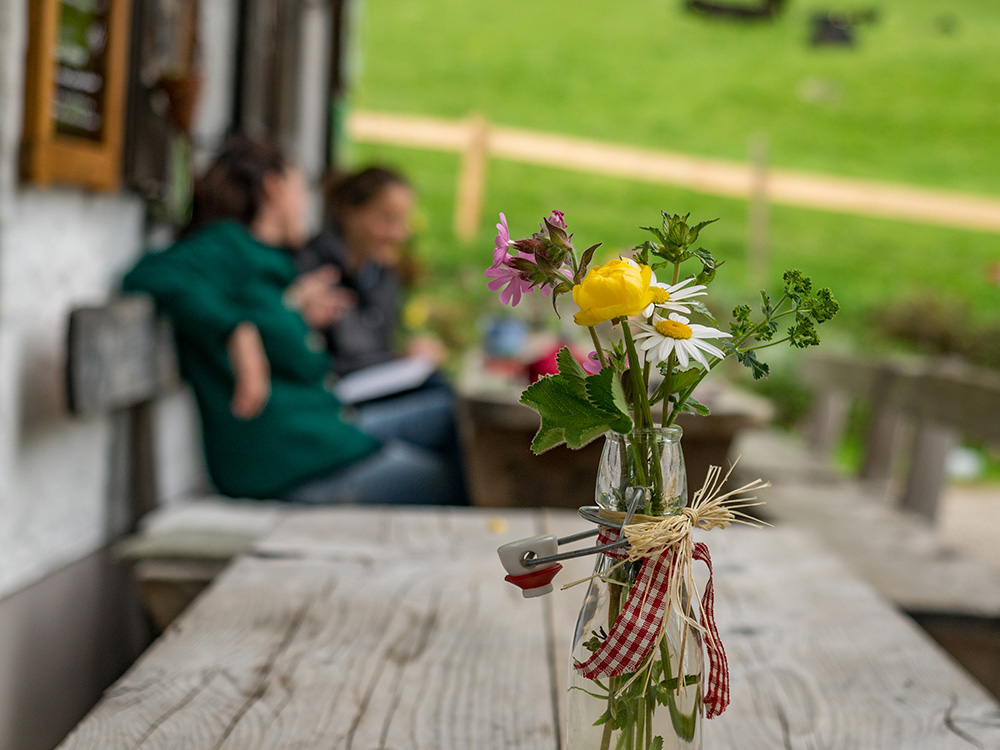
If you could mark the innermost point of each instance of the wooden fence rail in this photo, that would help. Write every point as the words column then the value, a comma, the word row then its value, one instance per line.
column 478, row 141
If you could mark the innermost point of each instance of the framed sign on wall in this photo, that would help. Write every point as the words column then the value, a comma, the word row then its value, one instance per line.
column 74, row 92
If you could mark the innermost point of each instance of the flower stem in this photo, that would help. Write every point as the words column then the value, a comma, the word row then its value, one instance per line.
column 765, row 345
column 597, row 346
column 665, row 413
column 640, row 405
column 684, row 395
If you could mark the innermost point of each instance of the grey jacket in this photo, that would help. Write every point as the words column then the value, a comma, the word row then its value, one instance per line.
column 366, row 335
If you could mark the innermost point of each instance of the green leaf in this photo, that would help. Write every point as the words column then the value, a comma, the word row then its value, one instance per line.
column 696, row 229
column 748, row 359
column 691, row 404
column 604, row 390
column 599, row 696
column 741, row 315
column 570, row 368
column 588, row 255
column 699, row 307
column 683, row 379
column 656, row 233
column 657, row 743
column 765, row 304
column 640, row 254
column 824, row 306
column 707, row 274
column 706, row 258
column 575, row 409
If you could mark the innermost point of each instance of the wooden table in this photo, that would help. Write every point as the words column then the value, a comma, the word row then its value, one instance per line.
column 391, row 629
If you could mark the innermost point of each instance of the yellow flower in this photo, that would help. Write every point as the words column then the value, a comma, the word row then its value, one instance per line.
column 619, row 287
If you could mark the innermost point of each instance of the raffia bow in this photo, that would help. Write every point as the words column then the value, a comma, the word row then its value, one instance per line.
column 667, row 549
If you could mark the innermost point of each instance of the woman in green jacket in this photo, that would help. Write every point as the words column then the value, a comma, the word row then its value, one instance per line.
column 271, row 426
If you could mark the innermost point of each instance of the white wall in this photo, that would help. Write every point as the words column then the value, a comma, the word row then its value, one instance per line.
column 60, row 248
column 62, row 479
column 57, row 248
column 65, row 247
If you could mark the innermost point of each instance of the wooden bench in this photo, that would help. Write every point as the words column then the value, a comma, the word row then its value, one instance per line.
column 918, row 411
column 393, row 628
column 121, row 362
column 880, row 522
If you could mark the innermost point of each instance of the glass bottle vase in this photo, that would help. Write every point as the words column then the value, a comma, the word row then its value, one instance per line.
column 658, row 706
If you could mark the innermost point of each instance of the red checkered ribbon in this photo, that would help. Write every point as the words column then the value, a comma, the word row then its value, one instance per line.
column 637, row 627
column 717, row 687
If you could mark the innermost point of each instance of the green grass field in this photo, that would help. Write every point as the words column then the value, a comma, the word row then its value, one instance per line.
column 909, row 104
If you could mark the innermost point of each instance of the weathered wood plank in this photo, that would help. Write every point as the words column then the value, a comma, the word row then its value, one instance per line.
column 427, row 648
column 899, row 554
column 119, row 355
column 324, row 642
column 818, row 659
column 380, row 532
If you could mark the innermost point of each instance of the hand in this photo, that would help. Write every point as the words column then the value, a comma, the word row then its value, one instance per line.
column 318, row 298
column 251, row 372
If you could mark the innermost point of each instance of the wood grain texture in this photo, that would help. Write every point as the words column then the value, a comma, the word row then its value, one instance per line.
column 819, row 660
column 119, row 355
column 899, row 554
column 392, row 629
column 424, row 646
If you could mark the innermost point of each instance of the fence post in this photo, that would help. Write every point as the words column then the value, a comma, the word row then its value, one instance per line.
column 929, row 471
column 471, row 188
column 757, row 219
column 885, row 429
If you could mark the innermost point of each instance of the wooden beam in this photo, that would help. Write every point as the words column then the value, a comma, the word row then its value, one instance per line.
column 471, row 188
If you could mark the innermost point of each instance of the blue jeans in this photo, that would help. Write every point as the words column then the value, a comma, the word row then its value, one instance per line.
column 419, row 462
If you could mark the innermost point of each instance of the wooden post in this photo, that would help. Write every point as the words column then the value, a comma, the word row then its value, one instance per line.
column 929, row 471
column 471, row 188
column 827, row 422
column 882, row 442
column 757, row 212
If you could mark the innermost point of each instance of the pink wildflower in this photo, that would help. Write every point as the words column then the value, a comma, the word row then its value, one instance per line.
column 513, row 286
column 558, row 218
column 592, row 365
column 502, row 242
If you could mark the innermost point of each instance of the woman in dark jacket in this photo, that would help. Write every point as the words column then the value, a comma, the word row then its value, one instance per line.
column 365, row 241
column 272, row 428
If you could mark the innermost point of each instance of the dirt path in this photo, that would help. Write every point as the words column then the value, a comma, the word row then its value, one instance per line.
column 710, row 176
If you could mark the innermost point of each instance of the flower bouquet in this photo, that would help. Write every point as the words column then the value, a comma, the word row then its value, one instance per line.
column 638, row 677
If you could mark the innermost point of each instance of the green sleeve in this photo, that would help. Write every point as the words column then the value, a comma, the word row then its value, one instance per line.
column 193, row 288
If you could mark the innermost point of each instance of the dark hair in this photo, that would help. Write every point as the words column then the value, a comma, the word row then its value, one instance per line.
column 233, row 186
column 354, row 190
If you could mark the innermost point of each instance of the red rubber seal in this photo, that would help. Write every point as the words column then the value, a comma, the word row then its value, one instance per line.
column 536, row 578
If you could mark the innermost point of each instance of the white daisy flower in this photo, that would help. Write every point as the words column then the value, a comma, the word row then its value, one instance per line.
column 675, row 334
column 670, row 297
